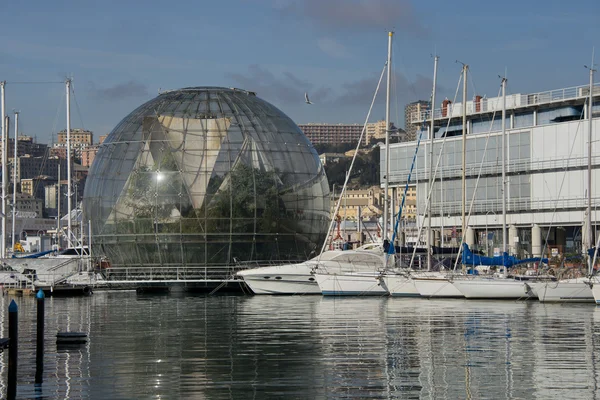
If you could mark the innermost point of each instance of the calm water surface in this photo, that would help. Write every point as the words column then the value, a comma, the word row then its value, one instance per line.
column 307, row 347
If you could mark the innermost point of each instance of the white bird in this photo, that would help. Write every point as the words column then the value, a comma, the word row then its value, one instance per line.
column 306, row 98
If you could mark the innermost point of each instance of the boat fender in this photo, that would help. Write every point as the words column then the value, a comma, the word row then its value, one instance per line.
column 87, row 290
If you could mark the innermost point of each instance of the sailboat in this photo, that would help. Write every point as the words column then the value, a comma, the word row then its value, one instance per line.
column 365, row 278
column 436, row 284
column 501, row 285
column 48, row 269
column 577, row 289
column 399, row 283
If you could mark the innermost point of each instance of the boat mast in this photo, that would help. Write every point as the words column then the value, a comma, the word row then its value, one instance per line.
column 464, row 152
column 58, row 209
column 14, row 197
column 503, row 165
column 68, row 84
column 4, row 149
column 589, row 236
column 387, row 140
column 431, row 135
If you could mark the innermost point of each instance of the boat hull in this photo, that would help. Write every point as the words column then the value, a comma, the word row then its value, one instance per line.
column 436, row 287
column 351, row 284
column 561, row 291
column 290, row 279
column 490, row 288
column 400, row 286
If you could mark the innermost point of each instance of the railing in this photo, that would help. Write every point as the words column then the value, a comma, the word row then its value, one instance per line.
column 494, row 168
column 512, row 101
column 512, row 205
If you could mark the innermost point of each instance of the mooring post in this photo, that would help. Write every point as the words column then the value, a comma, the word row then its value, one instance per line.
column 13, row 334
column 39, row 353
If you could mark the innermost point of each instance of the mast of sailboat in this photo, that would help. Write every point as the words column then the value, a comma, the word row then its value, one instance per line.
column 464, row 152
column 68, row 84
column 589, row 231
column 14, row 196
column 58, row 209
column 386, row 203
column 4, row 150
column 431, row 135
column 503, row 165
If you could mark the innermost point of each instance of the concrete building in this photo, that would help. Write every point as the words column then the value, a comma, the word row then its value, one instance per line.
column 375, row 132
column 88, row 154
column 368, row 200
column 29, row 204
column 30, row 167
column 415, row 108
column 332, row 133
column 80, row 139
column 546, row 159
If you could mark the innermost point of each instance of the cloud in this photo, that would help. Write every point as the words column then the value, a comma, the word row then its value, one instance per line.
column 355, row 14
column 121, row 91
column 332, row 48
column 289, row 89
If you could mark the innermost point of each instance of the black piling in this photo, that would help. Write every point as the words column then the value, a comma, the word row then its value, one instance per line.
column 39, row 351
column 13, row 334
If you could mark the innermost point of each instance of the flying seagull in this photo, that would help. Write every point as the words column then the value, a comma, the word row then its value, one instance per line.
column 306, row 98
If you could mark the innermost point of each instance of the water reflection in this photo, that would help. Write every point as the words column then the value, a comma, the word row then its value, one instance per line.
column 308, row 347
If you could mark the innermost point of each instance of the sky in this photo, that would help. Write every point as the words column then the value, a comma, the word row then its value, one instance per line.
column 121, row 53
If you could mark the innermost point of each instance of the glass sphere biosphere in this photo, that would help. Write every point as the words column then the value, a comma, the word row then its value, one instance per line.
column 200, row 179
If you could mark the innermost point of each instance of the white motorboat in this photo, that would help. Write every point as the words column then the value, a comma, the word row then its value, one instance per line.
column 299, row 279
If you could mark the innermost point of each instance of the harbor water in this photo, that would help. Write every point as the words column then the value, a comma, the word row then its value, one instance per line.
column 306, row 347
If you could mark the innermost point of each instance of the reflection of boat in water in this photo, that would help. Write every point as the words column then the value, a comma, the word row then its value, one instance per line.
column 299, row 279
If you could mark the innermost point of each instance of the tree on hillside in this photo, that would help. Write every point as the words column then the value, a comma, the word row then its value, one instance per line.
column 365, row 171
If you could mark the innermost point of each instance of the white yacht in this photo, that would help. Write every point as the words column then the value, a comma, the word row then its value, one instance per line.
column 299, row 279
column 496, row 287
column 573, row 290
column 358, row 276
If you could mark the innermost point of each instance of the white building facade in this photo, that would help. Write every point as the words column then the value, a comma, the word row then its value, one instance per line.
column 546, row 171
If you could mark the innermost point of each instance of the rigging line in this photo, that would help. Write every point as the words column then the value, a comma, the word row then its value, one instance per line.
column 337, row 207
column 77, row 105
column 404, row 68
column 46, row 154
column 33, row 83
column 468, row 216
column 433, row 176
column 395, row 81
column 564, row 177
column 439, row 157
column 410, row 173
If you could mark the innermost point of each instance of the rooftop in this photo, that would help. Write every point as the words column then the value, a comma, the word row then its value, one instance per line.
column 484, row 105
